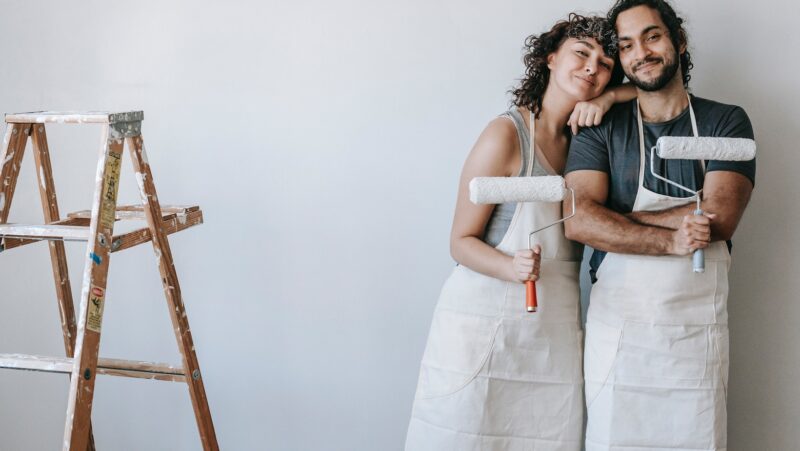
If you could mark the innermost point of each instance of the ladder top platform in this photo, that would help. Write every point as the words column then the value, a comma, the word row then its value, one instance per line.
column 74, row 117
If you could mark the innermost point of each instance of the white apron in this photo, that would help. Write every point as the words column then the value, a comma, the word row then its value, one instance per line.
column 493, row 376
column 657, row 345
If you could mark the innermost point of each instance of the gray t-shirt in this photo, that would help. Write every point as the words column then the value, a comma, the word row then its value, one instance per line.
column 613, row 147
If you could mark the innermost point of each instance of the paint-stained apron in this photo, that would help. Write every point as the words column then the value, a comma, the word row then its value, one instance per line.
column 493, row 376
column 657, row 346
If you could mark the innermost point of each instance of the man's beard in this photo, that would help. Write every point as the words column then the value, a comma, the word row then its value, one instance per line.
column 670, row 68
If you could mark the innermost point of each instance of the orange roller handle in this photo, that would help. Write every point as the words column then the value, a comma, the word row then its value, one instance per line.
column 530, row 295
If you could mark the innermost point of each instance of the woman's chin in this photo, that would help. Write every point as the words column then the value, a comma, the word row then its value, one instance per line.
column 588, row 94
column 584, row 95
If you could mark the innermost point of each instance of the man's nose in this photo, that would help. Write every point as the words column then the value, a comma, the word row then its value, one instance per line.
column 640, row 52
column 591, row 68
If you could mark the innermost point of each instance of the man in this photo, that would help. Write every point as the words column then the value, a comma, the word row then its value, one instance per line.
column 656, row 355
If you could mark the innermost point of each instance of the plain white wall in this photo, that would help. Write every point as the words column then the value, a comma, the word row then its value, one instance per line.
column 324, row 141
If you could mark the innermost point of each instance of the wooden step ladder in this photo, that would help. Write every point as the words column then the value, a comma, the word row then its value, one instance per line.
column 82, row 339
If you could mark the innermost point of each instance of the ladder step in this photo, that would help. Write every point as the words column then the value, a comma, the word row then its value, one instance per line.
column 137, row 211
column 74, row 117
column 110, row 367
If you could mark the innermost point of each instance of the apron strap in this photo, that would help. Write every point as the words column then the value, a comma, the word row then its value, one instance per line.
column 531, row 145
column 642, row 153
column 694, row 129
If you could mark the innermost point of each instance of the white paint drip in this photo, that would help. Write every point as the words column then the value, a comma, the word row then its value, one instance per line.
column 2, row 200
column 8, row 158
column 41, row 177
column 140, row 178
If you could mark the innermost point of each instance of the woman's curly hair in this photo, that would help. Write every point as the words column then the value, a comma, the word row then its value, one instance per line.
column 537, row 47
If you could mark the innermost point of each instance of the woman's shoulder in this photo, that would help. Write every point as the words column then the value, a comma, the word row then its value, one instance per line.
column 503, row 128
column 498, row 144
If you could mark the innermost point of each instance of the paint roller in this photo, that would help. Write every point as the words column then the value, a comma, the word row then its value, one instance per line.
column 700, row 148
column 499, row 190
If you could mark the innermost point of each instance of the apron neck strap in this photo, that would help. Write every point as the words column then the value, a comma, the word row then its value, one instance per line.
column 531, row 144
column 692, row 117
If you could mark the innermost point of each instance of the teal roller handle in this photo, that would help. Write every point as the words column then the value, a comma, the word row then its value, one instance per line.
column 699, row 257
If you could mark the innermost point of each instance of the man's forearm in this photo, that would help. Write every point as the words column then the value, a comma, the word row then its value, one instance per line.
column 609, row 231
column 670, row 218
column 728, row 212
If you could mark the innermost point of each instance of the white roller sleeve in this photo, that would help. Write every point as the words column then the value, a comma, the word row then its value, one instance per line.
column 706, row 148
column 500, row 190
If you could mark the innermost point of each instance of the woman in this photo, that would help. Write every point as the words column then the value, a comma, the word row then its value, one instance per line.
column 494, row 376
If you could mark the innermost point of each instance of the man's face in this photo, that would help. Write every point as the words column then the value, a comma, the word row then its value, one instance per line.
column 646, row 52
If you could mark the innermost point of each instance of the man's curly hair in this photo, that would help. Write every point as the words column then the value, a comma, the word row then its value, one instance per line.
column 531, row 90
column 677, row 34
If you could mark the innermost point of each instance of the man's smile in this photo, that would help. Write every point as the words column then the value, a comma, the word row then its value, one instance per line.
column 646, row 65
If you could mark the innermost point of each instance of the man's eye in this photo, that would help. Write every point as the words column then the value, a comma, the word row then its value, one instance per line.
column 606, row 65
column 654, row 37
column 625, row 47
column 581, row 53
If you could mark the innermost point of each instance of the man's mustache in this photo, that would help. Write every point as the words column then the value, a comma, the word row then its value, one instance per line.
column 652, row 59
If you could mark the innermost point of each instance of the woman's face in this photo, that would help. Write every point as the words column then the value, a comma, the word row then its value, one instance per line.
column 580, row 68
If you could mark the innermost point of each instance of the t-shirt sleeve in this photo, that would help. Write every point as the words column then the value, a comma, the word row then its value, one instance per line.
column 735, row 124
column 588, row 151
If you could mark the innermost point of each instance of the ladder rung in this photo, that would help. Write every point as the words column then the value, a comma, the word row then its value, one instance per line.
column 45, row 232
column 74, row 117
column 110, row 367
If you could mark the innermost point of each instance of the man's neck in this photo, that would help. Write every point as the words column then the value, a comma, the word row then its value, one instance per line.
column 666, row 103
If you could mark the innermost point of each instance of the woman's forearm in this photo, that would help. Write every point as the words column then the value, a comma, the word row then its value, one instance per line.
column 478, row 256
column 622, row 93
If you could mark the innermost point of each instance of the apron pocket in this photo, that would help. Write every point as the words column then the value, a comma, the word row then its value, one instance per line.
column 459, row 344
column 662, row 355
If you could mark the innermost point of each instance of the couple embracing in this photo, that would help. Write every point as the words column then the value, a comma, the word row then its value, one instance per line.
column 651, row 372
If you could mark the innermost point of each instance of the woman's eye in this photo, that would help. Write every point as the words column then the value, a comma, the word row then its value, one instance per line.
column 625, row 48
column 606, row 65
column 581, row 53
